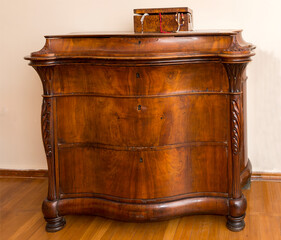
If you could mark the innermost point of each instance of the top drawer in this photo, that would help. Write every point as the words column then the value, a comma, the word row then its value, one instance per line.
column 139, row 81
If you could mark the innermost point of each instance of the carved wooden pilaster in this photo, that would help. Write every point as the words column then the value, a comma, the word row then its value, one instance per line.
column 48, row 140
column 238, row 203
column 235, row 76
column 46, row 126
column 235, row 143
column 46, row 75
column 236, row 125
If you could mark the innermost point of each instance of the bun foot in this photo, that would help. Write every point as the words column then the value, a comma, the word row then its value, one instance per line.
column 55, row 224
column 235, row 224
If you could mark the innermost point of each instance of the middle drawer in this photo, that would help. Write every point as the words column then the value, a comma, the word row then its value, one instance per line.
column 151, row 121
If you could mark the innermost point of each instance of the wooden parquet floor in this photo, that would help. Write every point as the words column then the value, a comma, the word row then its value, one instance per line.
column 21, row 218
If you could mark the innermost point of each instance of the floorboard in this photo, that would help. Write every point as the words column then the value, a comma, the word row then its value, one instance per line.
column 21, row 218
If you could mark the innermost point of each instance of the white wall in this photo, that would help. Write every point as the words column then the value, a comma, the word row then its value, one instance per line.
column 24, row 22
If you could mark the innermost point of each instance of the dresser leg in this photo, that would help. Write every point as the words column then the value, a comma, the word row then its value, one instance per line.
column 54, row 221
column 235, row 224
column 237, row 209
column 55, row 224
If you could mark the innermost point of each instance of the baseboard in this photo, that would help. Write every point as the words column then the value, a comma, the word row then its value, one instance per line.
column 256, row 176
column 12, row 173
column 262, row 176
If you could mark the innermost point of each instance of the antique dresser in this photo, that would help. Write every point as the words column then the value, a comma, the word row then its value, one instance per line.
column 145, row 127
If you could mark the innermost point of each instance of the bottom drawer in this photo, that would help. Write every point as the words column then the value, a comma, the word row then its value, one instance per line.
column 142, row 174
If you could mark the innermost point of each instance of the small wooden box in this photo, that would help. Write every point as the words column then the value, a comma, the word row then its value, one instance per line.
column 163, row 20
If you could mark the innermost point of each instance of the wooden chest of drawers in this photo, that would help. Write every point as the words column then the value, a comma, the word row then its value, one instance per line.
column 144, row 127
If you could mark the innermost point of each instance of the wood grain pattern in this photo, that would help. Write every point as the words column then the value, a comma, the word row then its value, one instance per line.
column 132, row 49
column 168, row 23
column 144, row 127
column 163, row 20
column 105, row 80
column 145, row 122
column 132, row 179
column 21, row 219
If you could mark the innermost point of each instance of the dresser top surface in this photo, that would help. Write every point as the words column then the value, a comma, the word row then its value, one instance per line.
column 145, row 35
column 129, row 46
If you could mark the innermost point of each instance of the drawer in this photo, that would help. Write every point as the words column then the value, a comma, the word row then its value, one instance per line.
column 152, row 80
column 142, row 174
column 143, row 121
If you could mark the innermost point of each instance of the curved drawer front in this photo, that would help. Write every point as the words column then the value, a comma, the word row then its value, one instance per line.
column 143, row 122
column 142, row 174
column 152, row 80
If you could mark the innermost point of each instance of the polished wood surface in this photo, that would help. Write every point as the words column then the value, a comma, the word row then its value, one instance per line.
column 145, row 127
column 21, row 218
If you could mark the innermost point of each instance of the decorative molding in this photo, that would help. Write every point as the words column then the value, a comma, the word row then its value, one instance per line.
column 236, row 47
column 47, row 136
column 46, row 126
column 45, row 51
column 235, row 74
column 235, row 115
column 235, row 144
column 263, row 176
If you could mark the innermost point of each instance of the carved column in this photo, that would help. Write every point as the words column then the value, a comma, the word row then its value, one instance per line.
column 49, row 206
column 46, row 76
column 237, row 204
column 47, row 135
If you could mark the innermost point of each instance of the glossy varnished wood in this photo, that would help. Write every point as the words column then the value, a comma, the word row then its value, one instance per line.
column 132, row 180
column 176, row 79
column 145, row 127
column 142, row 122
column 21, row 218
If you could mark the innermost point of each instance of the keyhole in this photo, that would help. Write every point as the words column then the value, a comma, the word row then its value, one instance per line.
column 139, row 107
column 141, row 160
column 137, row 75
